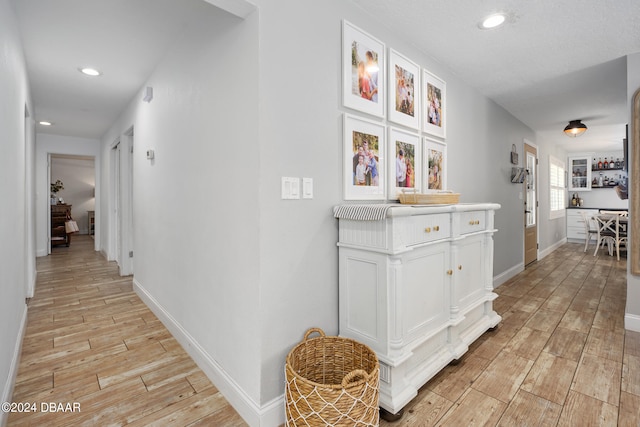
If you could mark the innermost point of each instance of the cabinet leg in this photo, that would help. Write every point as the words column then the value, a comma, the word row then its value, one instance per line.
column 389, row 417
column 455, row 362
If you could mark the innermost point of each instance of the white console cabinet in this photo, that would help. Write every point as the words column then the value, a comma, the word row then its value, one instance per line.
column 417, row 287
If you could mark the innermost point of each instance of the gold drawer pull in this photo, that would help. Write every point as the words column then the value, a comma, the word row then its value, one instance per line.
column 436, row 228
column 476, row 222
column 460, row 267
column 450, row 272
column 427, row 230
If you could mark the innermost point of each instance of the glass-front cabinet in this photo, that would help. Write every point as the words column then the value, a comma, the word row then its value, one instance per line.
column 579, row 173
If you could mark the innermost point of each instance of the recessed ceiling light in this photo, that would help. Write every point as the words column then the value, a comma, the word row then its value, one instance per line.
column 493, row 21
column 45, row 123
column 89, row 71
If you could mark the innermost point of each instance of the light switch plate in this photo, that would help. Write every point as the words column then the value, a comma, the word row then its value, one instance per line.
column 307, row 188
column 290, row 188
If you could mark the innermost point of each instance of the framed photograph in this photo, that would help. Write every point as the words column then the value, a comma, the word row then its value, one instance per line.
column 364, row 162
column 435, row 165
column 404, row 91
column 435, row 105
column 405, row 161
column 363, row 76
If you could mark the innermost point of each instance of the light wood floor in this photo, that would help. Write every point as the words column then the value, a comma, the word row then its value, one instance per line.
column 91, row 341
column 561, row 356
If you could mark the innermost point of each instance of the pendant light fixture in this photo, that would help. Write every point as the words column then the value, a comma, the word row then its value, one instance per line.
column 575, row 128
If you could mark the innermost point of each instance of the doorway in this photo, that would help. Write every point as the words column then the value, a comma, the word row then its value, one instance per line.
column 531, row 204
column 77, row 174
column 121, row 236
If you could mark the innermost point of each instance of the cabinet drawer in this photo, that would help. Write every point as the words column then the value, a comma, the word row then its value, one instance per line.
column 576, row 233
column 428, row 228
column 473, row 221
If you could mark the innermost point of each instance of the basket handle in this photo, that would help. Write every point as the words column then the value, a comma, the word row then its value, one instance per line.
column 412, row 192
column 312, row 330
column 358, row 373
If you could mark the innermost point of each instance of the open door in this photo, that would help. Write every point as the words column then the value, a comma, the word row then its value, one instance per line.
column 531, row 205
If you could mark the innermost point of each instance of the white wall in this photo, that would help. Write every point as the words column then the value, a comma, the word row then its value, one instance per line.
column 301, row 135
column 47, row 144
column 78, row 176
column 17, row 256
column 632, row 316
column 196, row 204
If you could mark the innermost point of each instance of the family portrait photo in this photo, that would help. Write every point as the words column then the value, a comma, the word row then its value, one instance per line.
column 363, row 71
column 404, row 90
column 405, row 165
column 434, row 121
column 434, row 100
column 364, row 158
column 436, row 165
column 405, row 161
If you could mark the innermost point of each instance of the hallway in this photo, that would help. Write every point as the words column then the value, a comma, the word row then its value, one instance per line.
column 560, row 357
column 90, row 343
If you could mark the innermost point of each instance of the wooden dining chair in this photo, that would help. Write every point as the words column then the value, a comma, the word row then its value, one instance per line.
column 590, row 229
column 621, row 235
column 606, row 231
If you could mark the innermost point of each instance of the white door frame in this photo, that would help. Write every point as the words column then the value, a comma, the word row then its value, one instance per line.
column 537, row 187
column 120, row 206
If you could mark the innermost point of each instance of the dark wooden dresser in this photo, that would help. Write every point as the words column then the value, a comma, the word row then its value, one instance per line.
column 59, row 235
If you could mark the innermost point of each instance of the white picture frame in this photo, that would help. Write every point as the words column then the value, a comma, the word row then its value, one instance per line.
column 407, row 165
column 364, row 179
column 434, row 109
column 404, row 91
column 363, row 71
column 435, row 165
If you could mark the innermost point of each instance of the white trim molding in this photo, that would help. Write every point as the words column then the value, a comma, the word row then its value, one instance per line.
column 271, row 414
column 508, row 274
column 7, row 391
column 632, row 322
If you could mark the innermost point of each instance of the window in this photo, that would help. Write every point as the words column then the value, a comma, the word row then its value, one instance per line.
column 556, row 188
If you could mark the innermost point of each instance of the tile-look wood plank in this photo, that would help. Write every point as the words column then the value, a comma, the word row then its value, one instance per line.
column 581, row 410
column 503, row 376
column 605, row 343
column 629, row 410
column 530, row 410
column 550, row 377
column 566, row 343
column 599, row 378
column 474, row 409
column 528, row 343
column 631, row 374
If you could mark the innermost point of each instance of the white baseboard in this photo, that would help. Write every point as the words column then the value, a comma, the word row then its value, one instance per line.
column 269, row 415
column 506, row 275
column 7, row 391
column 548, row 250
column 632, row 322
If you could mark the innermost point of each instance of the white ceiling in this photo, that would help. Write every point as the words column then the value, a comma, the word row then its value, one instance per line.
column 553, row 61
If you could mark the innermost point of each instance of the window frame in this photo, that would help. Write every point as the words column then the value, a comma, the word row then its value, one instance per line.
column 557, row 185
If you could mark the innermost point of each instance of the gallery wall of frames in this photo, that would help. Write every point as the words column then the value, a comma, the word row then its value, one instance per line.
column 395, row 138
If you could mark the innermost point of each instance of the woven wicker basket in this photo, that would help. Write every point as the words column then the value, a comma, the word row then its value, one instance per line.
column 412, row 198
column 331, row 381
